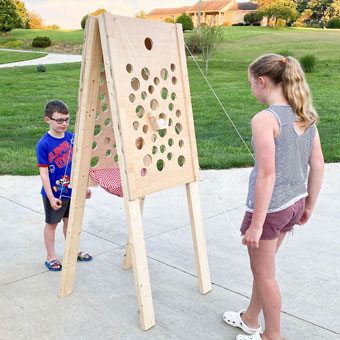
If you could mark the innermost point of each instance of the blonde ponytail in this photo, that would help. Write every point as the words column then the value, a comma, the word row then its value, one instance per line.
column 288, row 72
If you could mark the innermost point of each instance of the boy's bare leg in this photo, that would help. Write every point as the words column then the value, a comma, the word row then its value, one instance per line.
column 49, row 237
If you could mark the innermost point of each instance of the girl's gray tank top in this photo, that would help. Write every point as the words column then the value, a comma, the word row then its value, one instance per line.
column 292, row 152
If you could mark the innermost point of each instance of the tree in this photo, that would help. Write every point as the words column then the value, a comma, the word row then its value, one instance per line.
column 333, row 11
column 22, row 11
column 208, row 39
column 9, row 18
column 281, row 9
column 264, row 3
column 186, row 22
column 95, row 13
column 253, row 17
column 319, row 8
column 140, row 15
column 34, row 20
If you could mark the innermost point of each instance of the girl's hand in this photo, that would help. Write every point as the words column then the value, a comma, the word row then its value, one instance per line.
column 88, row 193
column 252, row 237
column 305, row 216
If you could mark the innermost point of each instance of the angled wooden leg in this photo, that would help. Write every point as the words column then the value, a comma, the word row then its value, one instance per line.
column 139, row 263
column 198, row 237
column 127, row 263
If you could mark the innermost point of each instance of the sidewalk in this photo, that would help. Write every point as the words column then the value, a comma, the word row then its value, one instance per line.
column 103, row 304
column 51, row 58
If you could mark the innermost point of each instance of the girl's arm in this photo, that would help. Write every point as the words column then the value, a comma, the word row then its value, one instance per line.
column 45, row 179
column 264, row 128
column 316, row 164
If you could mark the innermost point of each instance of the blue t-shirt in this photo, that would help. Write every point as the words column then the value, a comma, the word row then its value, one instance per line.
column 56, row 154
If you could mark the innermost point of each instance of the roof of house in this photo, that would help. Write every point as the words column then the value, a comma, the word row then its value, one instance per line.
column 165, row 11
column 212, row 5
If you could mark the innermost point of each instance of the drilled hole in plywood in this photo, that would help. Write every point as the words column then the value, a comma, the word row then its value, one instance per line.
column 154, row 150
column 153, row 138
column 143, row 95
column 170, row 122
column 140, row 111
column 162, row 132
column 174, row 80
column 170, row 142
column 101, row 97
column 160, row 165
column 135, row 84
column 108, row 153
column 156, row 81
column 94, row 161
column 107, row 122
column 173, row 67
column 145, row 73
column 101, row 81
column 171, row 106
column 151, row 89
column 143, row 172
column 178, row 113
column 135, row 125
column 154, row 104
column 162, row 148
column 102, row 67
column 147, row 160
column 181, row 143
column 164, row 93
column 107, row 141
column 173, row 96
column 115, row 158
column 129, row 68
column 97, row 129
column 148, row 43
column 145, row 128
column 97, row 115
column 178, row 128
column 132, row 97
column 169, row 156
column 139, row 143
column 94, row 145
column 181, row 160
column 105, row 107
column 164, row 74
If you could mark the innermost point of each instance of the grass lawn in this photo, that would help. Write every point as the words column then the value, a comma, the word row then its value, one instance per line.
column 24, row 93
column 12, row 57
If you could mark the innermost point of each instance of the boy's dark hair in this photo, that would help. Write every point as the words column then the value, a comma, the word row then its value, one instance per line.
column 55, row 106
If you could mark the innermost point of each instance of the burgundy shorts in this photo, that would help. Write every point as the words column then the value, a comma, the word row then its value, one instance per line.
column 277, row 222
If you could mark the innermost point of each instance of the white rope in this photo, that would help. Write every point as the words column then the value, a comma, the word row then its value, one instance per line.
column 225, row 111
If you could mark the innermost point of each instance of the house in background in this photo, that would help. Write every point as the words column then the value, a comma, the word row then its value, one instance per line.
column 218, row 12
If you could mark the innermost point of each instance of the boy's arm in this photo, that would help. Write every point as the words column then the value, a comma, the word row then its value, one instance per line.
column 45, row 179
column 316, row 164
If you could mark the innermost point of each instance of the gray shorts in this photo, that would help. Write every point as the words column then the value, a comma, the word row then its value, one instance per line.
column 277, row 222
column 54, row 216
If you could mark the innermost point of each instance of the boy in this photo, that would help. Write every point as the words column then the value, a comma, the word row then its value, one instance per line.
column 54, row 154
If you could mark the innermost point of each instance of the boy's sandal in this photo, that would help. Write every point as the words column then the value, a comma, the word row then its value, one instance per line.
column 53, row 266
column 255, row 336
column 234, row 319
column 82, row 256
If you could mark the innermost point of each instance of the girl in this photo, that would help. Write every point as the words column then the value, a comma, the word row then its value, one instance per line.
column 285, row 141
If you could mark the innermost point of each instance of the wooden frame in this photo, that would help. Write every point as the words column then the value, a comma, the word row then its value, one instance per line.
column 139, row 105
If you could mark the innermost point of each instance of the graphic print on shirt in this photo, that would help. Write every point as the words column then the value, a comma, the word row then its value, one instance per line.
column 62, row 184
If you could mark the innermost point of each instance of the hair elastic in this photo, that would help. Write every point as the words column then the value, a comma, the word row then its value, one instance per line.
column 284, row 60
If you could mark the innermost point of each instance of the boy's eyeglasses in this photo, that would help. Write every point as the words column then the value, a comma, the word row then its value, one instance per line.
column 62, row 120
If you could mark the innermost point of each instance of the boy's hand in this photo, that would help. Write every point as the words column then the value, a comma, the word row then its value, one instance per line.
column 56, row 204
column 88, row 193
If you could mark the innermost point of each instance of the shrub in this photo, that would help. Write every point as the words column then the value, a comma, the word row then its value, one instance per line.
column 238, row 24
column 253, row 18
column 308, row 62
column 280, row 23
column 13, row 44
column 186, row 22
column 83, row 22
column 333, row 23
column 285, row 53
column 298, row 24
column 192, row 42
column 41, row 42
column 41, row 68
